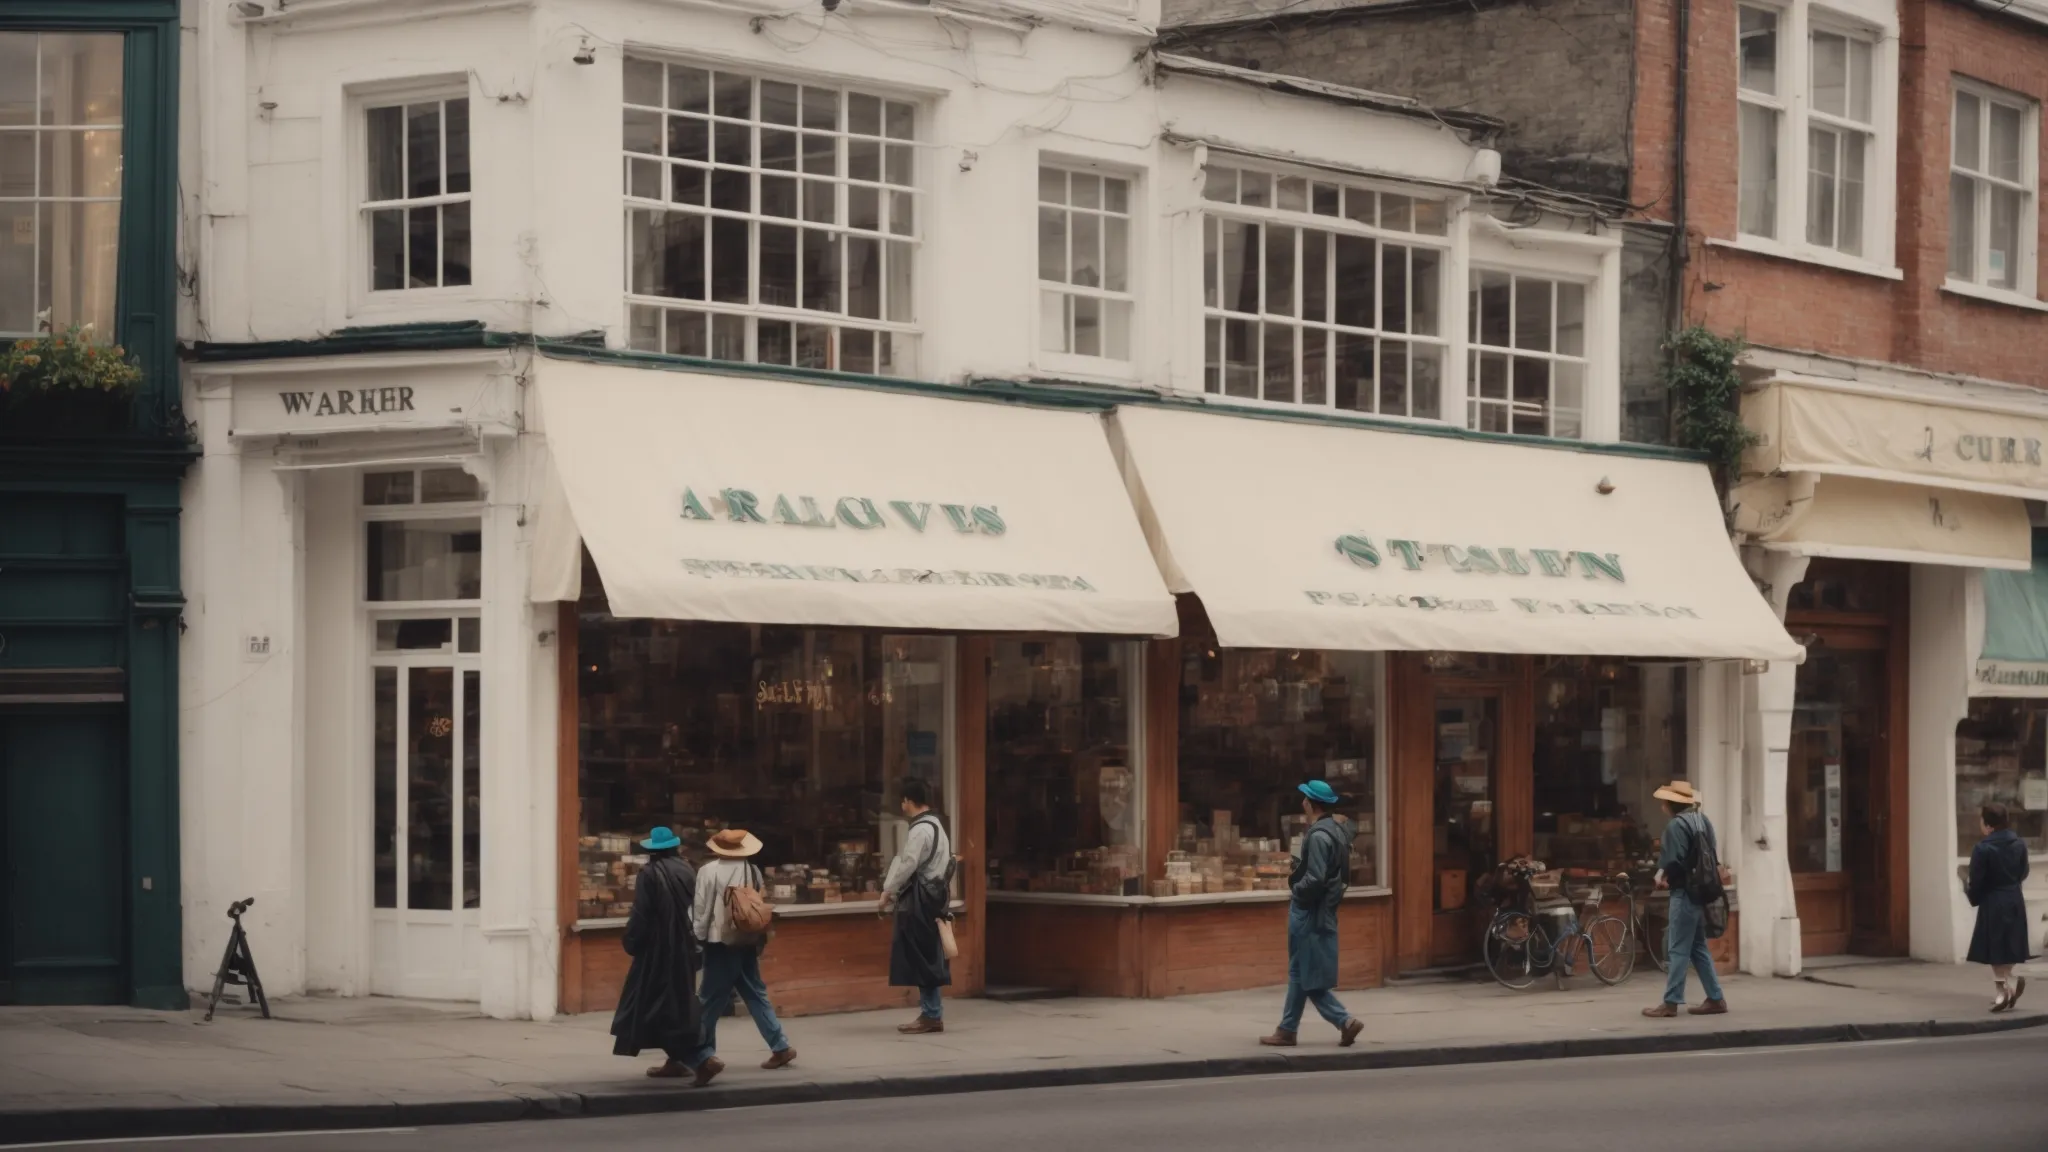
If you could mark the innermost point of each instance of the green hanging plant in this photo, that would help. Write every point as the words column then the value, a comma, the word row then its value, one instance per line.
column 1706, row 392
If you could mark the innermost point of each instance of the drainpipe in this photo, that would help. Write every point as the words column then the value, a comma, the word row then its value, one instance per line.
column 1682, row 248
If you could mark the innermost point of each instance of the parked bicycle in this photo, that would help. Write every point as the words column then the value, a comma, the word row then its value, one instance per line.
column 1645, row 923
column 1539, row 927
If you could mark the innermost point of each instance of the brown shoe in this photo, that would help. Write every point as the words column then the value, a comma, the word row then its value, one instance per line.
column 668, row 1071
column 1661, row 1011
column 923, row 1025
column 1281, row 1038
column 1709, row 1008
column 709, row 1070
column 1349, row 1035
column 782, row 1059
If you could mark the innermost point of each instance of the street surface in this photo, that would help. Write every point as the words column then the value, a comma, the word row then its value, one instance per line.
column 1918, row 1095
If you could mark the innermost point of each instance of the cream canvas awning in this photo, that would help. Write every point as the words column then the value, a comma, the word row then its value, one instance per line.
column 1812, row 514
column 1305, row 535
column 2014, row 658
column 705, row 496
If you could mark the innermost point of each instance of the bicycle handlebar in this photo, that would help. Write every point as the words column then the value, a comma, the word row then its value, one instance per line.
column 236, row 909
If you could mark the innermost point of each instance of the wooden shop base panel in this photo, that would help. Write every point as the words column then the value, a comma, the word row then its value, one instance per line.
column 813, row 965
column 1156, row 950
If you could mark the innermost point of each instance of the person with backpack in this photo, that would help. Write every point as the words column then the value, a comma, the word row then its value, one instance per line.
column 1690, row 867
column 918, row 888
column 1322, row 863
column 732, row 917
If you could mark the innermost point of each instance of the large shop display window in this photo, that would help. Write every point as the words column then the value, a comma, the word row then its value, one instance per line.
column 1063, row 784
column 796, row 734
column 1608, row 734
column 2002, row 755
column 1254, row 724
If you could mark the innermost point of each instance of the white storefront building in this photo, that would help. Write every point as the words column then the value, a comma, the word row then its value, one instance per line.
column 413, row 222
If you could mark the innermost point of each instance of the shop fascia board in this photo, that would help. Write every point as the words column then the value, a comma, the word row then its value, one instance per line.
column 1047, row 392
column 1769, row 366
column 1082, row 899
column 492, row 408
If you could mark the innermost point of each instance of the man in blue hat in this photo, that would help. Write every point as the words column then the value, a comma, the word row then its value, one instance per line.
column 1322, row 861
column 658, row 1006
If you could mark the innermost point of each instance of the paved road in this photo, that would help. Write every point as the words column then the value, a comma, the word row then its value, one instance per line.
column 1907, row 1095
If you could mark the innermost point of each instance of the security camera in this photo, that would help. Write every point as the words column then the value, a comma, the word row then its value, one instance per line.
column 830, row 5
column 249, row 9
column 585, row 54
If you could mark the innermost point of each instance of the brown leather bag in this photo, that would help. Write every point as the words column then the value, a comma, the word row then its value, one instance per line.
column 750, row 912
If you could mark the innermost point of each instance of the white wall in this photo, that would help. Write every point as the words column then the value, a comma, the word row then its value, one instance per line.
column 1943, row 655
column 1770, row 917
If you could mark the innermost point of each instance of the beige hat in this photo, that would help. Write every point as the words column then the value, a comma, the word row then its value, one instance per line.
column 1678, row 792
column 734, row 842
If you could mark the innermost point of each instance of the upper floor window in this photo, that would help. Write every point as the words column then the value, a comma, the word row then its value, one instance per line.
column 1808, row 98
column 417, row 206
column 1323, row 294
column 1084, row 264
column 769, row 221
column 1992, row 184
column 60, row 180
column 1528, row 359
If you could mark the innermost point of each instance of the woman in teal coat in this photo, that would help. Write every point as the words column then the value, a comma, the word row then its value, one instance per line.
column 1317, row 882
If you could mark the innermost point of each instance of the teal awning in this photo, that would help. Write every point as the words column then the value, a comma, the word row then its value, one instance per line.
column 2014, row 661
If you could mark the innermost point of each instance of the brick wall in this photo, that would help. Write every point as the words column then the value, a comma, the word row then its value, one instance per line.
column 1555, row 70
column 1791, row 304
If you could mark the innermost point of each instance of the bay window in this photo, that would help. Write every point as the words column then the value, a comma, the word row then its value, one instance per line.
column 1528, row 361
column 60, row 181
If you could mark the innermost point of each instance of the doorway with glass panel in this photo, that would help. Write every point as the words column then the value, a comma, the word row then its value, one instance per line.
column 423, row 599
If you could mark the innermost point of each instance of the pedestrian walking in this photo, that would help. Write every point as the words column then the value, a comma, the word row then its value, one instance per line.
column 1322, row 863
column 918, row 886
column 732, row 955
column 1997, row 866
column 1690, row 868
column 658, row 1007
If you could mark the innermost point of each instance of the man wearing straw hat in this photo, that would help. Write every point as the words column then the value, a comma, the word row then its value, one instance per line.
column 732, row 958
column 1689, row 838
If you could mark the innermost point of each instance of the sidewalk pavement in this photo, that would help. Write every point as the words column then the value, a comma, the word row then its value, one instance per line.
column 79, row 1073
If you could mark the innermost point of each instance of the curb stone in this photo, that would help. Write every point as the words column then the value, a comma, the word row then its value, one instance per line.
column 198, row 1118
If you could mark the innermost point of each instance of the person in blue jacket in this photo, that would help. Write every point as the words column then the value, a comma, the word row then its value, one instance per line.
column 1998, row 865
column 1322, row 862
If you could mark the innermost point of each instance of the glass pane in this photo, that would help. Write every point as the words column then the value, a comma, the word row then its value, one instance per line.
column 1064, row 811
column 1567, row 399
column 1277, row 382
column 1241, row 264
column 414, row 635
column 1253, row 723
column 458, row 145
column 387, row 153
column 455, row 246
column 472, row 787
column 1116, row 329
column 1116, row 194
column 1241, row 358
column 1836, row 754
column 732, row 95
column 1219, row 184
column 79, row 246
column 1821, row 187
column 1394, row 378
column 1393, row 287
column 1315, row 367
column 430, row 788
column 2007, row 142
column 425, row 560
column 17, row 78
column 1962, row 227
column 468, row 634
column 1608, row 734
column 1355, row 372
column 778, row 103
column 1356, row 274
column 1293, row 194
column 1758, row 208
column 1086, row 249
column 863, row 114
column 2001, row 755
column 1465, row 829
column 384, row 788
column 729, row 260
column 1279, row 270
column 863, row 277
column 17, row 163
column 864, row 160
column 690, row 139
column 1052, row 322
column 1859, row 81
column 1116, row 248
column 1492, row 309
column 1255, row 189
column 778, row 266
column 387, row 249
column 2002, row 258
column 81, row 164
column 1086, row 312
column 818, row 264
column 1086, row 189
column 682, row 333
column 448, row 485
column 1967, row 140
column 1532, row 315
column 821, row 108
column 732, row 144
column 1396, row 213
column 1315, row 275
column 898, row 264
column 1361, row 206
column 1212, row 355
column 18, row 304
column 81, row 78
column 1431, row 218
column 1849, row 237
column 1571, row 319
column 1326, row 200
column 387, row 487
column 900, row 121
column 422, row 247
column 1829, row 84
column 1759, row 50
column 643, row 82
column 423, row 148
column 1425, row 381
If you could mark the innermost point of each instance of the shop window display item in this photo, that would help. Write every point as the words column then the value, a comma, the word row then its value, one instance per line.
column 1255, row 723
column 1063, row 795
column 1608, row 734
column 792, row 733
column 2002, row 757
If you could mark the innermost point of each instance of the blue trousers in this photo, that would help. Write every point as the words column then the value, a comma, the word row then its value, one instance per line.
column 728, row 969
column 1685, row 940
column 929, row 1005
column 1326, row 1002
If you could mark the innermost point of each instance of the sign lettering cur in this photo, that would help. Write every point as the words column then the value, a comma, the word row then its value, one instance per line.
column 1415, row 556
column 860, row 513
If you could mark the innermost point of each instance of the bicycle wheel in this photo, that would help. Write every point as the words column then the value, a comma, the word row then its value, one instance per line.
column 1510, row 948
column 1610, row 953
column 1653, row 941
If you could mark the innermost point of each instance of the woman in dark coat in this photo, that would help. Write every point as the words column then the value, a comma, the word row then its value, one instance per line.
column 658, row 1006
column 1997, row 866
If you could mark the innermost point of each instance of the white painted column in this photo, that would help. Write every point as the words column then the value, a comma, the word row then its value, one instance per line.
column 1944, row 644
column 1770, row 916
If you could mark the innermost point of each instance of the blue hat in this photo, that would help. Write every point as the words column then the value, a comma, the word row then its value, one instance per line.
column 1320, row 792
column 660, row 839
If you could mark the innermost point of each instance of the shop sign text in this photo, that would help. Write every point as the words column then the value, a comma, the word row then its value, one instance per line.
column 347, row 402
column 1638, row 609
column 916, row 577
column 860, row 513
column 1416, row 556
